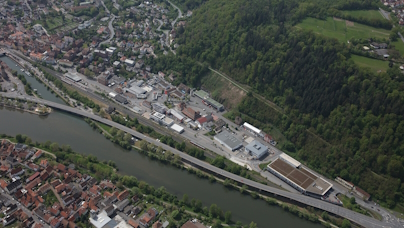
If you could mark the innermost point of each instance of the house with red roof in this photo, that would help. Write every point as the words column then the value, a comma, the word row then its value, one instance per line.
column 44, row 163
column 32, row 177
column 123, row 195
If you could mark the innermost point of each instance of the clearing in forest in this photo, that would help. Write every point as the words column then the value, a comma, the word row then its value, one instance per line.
column 342, row 30
column 373, row 64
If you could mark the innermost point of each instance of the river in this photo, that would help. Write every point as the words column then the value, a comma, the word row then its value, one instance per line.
column 65, row 128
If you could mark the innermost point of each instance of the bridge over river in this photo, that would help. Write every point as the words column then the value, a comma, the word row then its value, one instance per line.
column 355, row 217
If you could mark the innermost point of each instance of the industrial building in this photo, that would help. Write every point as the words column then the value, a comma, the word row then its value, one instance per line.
column 135, row 90
column 177, row 128
column 73, row 77
column 253, row 129
column 290, row 171
column 158, row 117
column 159, row 108
column 226, row 139
column 256, row 149
column 121, row 99
column 205, row 97
column 177, row 115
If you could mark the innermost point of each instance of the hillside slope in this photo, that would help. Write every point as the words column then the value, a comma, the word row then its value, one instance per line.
column 342, row 120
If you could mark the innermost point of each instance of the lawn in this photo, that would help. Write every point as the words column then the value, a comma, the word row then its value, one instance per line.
column 364, row 13
column 373, row 64
column 339, row 29
column 264, row 165
column 399, row 46
column 104, row 126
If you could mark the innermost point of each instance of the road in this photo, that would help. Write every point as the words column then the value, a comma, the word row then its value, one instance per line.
column 179, row 13
column 210, row 145
column 24, row 209
column 111, row 30
column 360, row 219
column 386, row 14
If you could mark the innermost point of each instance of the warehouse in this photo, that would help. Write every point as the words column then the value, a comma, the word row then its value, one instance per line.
column 252, row 129
column 177, row 128
column 228, row 140
column 205, row 97
column 136, row 90
column 168, row 121
column 256, row 149
column 290, row 171
column 176, row 115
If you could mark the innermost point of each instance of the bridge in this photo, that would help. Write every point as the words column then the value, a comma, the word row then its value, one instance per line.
column 355, row 217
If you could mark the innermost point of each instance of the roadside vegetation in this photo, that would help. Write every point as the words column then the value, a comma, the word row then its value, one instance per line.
column 338, row 118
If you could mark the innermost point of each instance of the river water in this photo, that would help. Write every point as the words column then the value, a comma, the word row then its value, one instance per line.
column 65, row 128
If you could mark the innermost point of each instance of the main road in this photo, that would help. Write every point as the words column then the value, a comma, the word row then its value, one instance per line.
column 358, row 218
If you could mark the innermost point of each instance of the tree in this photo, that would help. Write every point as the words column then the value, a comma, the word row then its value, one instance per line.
column 346, row 224
column 185, row 199
column 144, row 145
column 175, row 214
column 102, row 113
column 120, row 134
column 127, row 138
column 19, row 139
column 352, row 200
column 252, row 225
column 28, row 141
column 54, row 147
column 113, row 131
column 227, row 217
column 66, row 148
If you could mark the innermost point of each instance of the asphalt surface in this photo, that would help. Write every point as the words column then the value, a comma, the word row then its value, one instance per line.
column 387, row 217
column 360, row 219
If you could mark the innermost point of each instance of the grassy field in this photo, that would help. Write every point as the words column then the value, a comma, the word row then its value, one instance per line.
column 342, row 31
column 364, row 13
column 399, row 46
column 373, row 64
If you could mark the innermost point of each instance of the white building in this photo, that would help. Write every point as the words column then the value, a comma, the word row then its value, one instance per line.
column 177, row 128
column 253, row 129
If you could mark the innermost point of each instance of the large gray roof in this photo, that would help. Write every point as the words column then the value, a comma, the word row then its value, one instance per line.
column 256, row 148
column 228, row 139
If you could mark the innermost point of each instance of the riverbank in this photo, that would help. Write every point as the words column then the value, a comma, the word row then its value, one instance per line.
column 166, row 157
column 37, row 111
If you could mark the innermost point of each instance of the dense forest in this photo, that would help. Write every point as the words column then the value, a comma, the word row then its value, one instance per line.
column 342, row 120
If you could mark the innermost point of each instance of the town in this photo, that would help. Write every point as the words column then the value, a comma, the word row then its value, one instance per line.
column 37, row 192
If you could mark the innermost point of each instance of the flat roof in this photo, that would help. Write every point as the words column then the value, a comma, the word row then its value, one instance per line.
column 176, row 114
column 177, row 128
column 290, row 160
column 73, row 77
column 201, row 94
column 136, row 90
column 100, row 220
column 257, row 149
column 168, row 120
column 214, row 103
column 228, row 139
column 159, row 115
column 301, row 177
column 256, row 130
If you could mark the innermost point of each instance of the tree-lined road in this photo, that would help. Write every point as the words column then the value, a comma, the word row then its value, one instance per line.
column 360, row 219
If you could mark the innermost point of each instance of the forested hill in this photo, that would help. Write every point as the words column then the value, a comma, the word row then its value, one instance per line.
column 341, row 119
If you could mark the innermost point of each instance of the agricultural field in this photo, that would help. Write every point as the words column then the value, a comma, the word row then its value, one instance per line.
column 373, row 64
column 342, row 30
column 399, row 46
column 370, row 14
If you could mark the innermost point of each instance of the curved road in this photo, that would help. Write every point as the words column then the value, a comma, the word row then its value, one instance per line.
column 179, row 13
column 111, row 29
column 360, row 219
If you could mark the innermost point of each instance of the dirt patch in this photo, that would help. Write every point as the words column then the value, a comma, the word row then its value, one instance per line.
column 349, row 23
column 337, row 19
column 223, row 91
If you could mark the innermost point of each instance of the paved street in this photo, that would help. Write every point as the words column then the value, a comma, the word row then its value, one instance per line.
column 353, row 216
